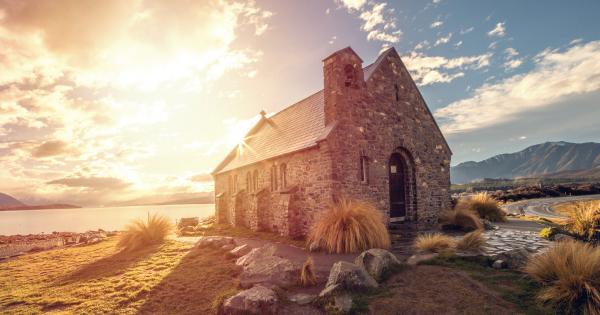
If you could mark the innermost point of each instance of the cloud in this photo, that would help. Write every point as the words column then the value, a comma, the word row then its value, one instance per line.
column 51, row 148
column 443, row 40
column 513, row 63
column 202, row 178
column 353, row 4
column 95, row 183
column 498, row 31
column 511, row 52
column 466, row 31
column 436, row 24
column 377, row 21
column 435, row 69
column 556, row 76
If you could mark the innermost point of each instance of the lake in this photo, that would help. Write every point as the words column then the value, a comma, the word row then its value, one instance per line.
column 85, row 219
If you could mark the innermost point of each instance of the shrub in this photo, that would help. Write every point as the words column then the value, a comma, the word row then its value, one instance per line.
column 460, row 219
column 141, row 233
column 548, row 232
column 472, row 242
column 570, row 275
column 307, row 274
column 434, row 243
column 485, row 206
column 584, row 220
column 349, row 226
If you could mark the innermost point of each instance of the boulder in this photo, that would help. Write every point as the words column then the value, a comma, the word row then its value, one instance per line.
column 214, row 241
column 302, row 298
column 256, row 253
column 350, row 277
column 339, row 304
column 257, row 300
column 241, row 250
column 269, row 270
column 227, row 247
column 498, row 264
column 376, row 262
column 417, row 258
column 513, row 259
column 185, row 222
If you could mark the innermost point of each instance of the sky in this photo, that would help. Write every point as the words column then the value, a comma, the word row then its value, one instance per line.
column 105, row 101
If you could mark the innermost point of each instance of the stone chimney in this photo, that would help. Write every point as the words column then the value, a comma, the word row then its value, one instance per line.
column 344, row 84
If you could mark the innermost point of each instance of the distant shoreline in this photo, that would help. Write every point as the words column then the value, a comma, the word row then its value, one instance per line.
column 69, row 207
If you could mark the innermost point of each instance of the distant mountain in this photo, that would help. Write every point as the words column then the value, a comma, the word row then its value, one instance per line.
column 550, row 159
column 173, row 199
column 6, row 200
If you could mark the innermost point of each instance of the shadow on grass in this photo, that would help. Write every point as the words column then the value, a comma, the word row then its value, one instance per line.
column 202, row 279
column 109, row 266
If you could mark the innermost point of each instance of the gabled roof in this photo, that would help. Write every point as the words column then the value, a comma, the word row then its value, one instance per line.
column 297, row 127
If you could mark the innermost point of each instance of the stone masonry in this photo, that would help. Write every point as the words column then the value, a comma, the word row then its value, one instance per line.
column 338, row 143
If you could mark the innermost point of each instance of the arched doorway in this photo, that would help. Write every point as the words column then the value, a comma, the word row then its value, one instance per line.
column 401, row 174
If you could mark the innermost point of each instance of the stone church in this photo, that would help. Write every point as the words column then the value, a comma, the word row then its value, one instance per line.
column 367, row 135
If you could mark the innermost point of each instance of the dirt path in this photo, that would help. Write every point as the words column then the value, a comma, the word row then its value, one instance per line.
column 438, row 290
column 543, row 207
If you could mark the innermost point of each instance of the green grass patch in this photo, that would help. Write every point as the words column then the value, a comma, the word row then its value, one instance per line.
column 513, row 286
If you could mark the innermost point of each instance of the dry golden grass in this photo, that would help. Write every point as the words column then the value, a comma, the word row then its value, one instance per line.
column 350, row 226
column 471, row 242
column 170, row 278
column 139, row 233
column 570, row 275
column 484, row 205
column 434, row 243
column 584, row 220
column 461, row 218
column 307, row 273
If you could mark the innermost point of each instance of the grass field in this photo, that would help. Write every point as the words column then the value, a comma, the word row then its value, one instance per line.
column 170, row 278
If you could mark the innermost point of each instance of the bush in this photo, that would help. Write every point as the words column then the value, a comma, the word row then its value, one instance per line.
column 460, row 219
column 472, row 242
column 140, row 233
column 570, row 275
column 307, row 273
column 584, row 220
column 435, row 243
column 484, row 205
column 350, row 226
column 548, row 232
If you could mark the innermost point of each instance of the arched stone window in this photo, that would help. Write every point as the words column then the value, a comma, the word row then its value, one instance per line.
column 283, row 175
column 274, row 177
column 249, row 182
column 255, row 180
column 350, row 74
column 397, row 90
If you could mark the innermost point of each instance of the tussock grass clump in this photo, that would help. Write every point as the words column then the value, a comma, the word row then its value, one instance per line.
column 472, row 242
column 570, row 275
column 584, row 220
column 141, row 233
column 460, row 218
column 434, row 243
column 349, row 226
column 485, row 206
column 307, row 273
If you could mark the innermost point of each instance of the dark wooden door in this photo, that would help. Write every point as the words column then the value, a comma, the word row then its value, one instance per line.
column 397, row 173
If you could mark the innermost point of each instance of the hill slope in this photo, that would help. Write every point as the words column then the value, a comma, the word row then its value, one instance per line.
column 6, row 200
column 550, row 159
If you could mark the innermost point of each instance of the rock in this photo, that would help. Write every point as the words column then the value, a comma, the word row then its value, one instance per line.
column 188, row 222
column 271, row 270
column 498, row 264
column 563, row 237
column 302, row 298
column 257, row 300
column 376, row 261
column 256, row 253
column 350, row 277
column 417, row 258
column 341, row 303
column 514, row 259
column 214, row 241
column 187, row 229
column 227, row 247
column 487, row 224
column 241, row 250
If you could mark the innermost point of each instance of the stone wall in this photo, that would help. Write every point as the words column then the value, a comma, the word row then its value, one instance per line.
column 289, row 210
column 374, row 120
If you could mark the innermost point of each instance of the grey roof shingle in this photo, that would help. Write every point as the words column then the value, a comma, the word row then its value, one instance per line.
column 299, row 126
